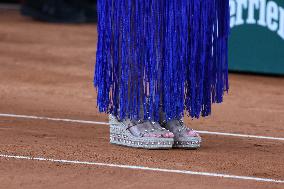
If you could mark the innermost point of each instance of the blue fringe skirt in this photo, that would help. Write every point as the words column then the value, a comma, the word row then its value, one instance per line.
column 161, row 55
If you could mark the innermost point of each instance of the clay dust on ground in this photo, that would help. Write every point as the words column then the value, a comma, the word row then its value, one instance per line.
column 47, row 70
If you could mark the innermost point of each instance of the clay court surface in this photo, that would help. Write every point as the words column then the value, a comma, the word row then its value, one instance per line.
column 47, row 70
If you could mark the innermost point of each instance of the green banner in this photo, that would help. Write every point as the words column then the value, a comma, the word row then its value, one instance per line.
column 257, row 36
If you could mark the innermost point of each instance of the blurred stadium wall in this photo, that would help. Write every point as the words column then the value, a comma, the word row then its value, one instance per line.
column 10, row 1
column 257, row 36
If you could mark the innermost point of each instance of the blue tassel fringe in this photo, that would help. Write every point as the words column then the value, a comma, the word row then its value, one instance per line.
column 161, row 54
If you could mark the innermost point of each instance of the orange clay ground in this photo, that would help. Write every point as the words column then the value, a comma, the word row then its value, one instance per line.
column 47, row 70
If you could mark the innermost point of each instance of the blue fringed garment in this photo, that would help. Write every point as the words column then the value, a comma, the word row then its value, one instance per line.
column 169, row 54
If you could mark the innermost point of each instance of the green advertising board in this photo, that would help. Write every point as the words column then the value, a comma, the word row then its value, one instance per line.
column 257, row 36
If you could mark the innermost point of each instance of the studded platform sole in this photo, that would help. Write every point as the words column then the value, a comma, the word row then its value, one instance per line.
column 120, row 135
column 187, row 142
column 181, row 141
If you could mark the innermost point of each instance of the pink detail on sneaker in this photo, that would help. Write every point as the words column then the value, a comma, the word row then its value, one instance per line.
column 168, row 135
column 193, row 133
column 171, row 135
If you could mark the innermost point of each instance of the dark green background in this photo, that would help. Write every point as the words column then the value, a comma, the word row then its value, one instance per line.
column 253, row 48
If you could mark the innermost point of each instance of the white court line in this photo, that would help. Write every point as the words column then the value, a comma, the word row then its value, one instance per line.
column 241, row 135
column 144, row 168
column 53, row 119
column 105, row 123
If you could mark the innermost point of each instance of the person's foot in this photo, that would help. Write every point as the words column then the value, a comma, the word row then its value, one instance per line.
column 184, row 137
column 138, row 134
column 146, row 128
column 163, row 131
